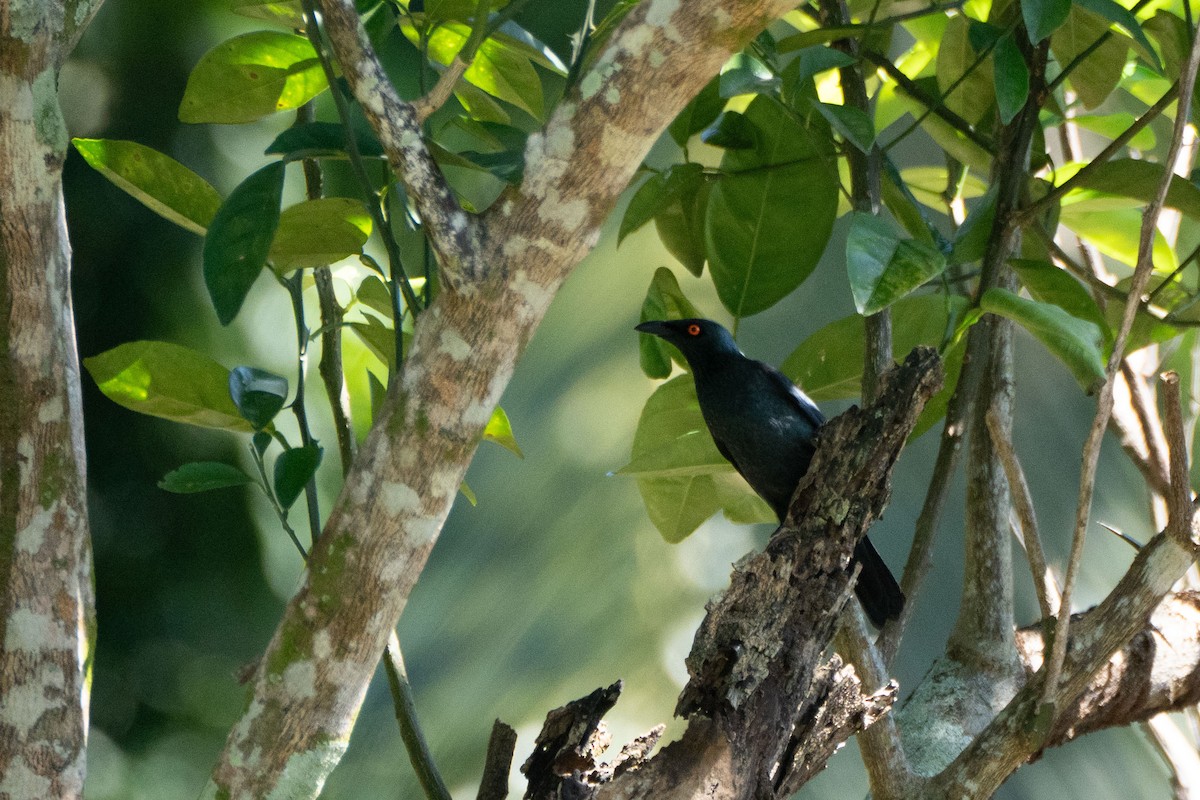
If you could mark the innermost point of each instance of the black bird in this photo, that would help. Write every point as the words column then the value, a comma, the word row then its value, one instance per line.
column 765, row 426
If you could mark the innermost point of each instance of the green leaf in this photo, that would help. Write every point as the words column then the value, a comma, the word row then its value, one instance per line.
column 682, row 478
column 971, row 240
column 1113, row 125
column 1115, row 232
column 289, row 13
column 812, row 61
column 1138, row 179
column 882, row 267
column 1120, row 15
column 293, row 470
column 1077, row 343
column 169, row 381
column 203, row 476
column 316, row 233
column 757, row 253
column 158, row 181
column 374, row 294
column 664, row 300
column 499, row 430
column 258, row 394
column 698, row 114
column 239, row 239
column 322, row 140
column 251, row 76
column 1049, row 284
column 1173, row 39
column 972, row 97
column 652, row 198
column 1044, row 17
column 1012, row 78
column 379, row 339
column 1099, row 73
column 854, row 125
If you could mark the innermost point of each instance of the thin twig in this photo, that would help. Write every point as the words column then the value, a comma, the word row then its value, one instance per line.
column 1043, row 581
column 1149, row 423
column 294, row 285
column 1091, row 451
column 406, row 714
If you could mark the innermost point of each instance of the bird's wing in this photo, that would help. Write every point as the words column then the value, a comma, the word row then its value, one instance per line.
column 807, row 408
column 724, row 451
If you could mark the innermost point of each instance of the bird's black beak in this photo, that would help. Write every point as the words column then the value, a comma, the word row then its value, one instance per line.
column 655, row 328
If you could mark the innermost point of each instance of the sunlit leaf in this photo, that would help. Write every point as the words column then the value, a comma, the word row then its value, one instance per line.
column 1095, row 77
column 158, row 181
column 289, row 13
column 499, row 430
column 315, row 233
column 169, row 381
column 967, row 88
column 252, row 76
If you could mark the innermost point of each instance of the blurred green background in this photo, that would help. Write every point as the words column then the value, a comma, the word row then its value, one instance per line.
column 556, row 583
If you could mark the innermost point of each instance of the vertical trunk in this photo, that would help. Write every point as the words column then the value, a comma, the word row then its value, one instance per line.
column 46, row 596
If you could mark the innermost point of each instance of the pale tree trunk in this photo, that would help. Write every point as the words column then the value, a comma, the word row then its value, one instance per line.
column 47, row 610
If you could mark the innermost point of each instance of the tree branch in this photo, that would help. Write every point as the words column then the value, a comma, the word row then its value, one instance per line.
column 311, row 681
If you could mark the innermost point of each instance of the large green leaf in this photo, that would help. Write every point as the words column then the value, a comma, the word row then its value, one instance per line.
column 1099, row 73
column 315, row 233
column 158, row 181
column 681, row 476
column 1012, row 78
column 770, row 214
column 1139, row 179
column 1115, row 231
column 1044, row 17
column 883, row 267
column 1078, row 343
column 680, row 225
column 1116, row 13
column 169, row 381
column 239, row 239
column 967, row 88
column 203, row 476
column 252, row 76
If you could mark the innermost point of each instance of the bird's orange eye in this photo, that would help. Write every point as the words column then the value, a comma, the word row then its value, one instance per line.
column 693, row 329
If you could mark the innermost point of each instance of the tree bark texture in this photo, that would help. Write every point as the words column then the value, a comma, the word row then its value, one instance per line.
column 47, row 613
column 502, row 269
column 766, row 708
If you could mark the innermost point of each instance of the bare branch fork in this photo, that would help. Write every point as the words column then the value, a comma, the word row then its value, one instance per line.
column 766, row 708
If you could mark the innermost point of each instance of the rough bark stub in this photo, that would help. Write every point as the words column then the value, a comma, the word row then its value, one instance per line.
column 46, row 597
column 766, row 710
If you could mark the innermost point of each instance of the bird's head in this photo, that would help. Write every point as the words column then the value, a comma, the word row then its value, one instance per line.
column 698, row 339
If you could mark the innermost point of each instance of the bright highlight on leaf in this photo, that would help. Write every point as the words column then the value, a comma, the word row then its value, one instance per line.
column 252, row 76
column 158, row 181
column 169, row 381
column 499, row 430
column 319, row 232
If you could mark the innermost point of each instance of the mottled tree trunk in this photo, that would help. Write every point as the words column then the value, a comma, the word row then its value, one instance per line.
column 46, row 597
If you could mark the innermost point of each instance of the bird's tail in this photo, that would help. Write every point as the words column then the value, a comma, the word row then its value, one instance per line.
column 877, row 590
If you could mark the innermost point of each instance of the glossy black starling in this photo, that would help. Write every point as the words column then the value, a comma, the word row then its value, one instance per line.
column 766, row 427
